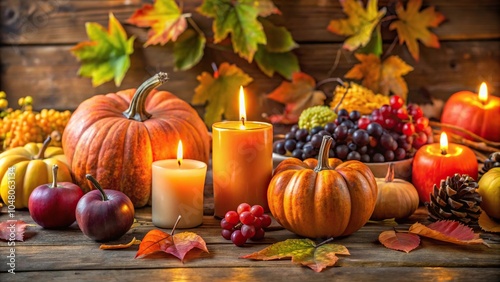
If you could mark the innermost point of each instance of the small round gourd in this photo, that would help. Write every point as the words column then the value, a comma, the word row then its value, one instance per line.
column 324, row 197
column 397, row 198
column 489, row 189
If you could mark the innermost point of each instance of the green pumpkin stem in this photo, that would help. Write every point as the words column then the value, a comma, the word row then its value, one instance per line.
column 54, row 175
column 137, row 108
column 323, row 154
column 389, row 177
column 41, row 153
column 98, row 186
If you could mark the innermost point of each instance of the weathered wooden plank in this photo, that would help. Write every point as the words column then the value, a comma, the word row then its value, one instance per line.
column 50, row 73
column 63, row 22
column 340, row 274
column 366, row 254
column 294, row 273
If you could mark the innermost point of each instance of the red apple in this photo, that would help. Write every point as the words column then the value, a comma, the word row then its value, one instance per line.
column 53, row 205
column 104, row 214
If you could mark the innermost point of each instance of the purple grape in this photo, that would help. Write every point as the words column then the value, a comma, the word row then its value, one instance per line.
column 361, row 137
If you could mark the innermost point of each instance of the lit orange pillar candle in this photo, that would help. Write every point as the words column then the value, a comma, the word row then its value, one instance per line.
column 434, row 162
column 478, row 113
column 178, row 190
column 242, row 162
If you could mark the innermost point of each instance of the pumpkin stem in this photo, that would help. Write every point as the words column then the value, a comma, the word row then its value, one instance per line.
column 324, row 150
column 137, row 108
column 54, row 175
column 390, row 173
column 98, row 186
column 41, row 153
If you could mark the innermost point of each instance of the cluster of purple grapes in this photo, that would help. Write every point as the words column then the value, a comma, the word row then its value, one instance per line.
column 391, row 133
column 247, row 222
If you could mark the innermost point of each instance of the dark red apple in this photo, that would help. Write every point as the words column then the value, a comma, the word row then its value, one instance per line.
column 104, row 214
column 53, row 205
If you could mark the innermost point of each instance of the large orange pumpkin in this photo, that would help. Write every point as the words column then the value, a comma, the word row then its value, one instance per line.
column 322, row 198
column 116, row 137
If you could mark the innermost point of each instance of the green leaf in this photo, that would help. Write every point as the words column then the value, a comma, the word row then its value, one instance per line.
column 302, row 251
column 238, row 18
column 221, row 93
column 188, row 49
column 284, row 63
column 360, row 22
column 106, row 55
column 279, row 39
column 374, row 46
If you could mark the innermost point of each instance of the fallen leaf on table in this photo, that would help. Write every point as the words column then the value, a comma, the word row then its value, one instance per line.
column 297, row 96
column 412, row 26
column 177, row 245
column 120, row 246
column 302, row 251
column 399, row 241
column 488, row 224
column 12, row 230
column 447, row 231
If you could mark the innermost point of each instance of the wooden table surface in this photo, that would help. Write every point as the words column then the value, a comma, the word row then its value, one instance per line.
column 67, row 255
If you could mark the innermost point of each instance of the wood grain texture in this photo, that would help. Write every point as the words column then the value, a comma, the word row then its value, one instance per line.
column 70, row 255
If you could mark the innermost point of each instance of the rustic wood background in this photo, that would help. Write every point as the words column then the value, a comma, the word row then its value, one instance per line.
column 36, row 37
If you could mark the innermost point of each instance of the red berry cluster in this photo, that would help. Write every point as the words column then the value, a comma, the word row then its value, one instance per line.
column 247, row 222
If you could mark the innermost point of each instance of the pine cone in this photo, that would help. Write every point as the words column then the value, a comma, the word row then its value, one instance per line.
column 455, row 199
column 492, row 161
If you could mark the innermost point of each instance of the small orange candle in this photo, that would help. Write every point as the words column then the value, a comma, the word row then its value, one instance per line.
column 434, row 162
column 242, row 162
column 478, row 113
column 178, row 190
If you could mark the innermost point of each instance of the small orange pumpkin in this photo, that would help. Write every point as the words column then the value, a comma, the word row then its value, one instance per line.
column 116, row 137
column 397, row 198
column 324, row 197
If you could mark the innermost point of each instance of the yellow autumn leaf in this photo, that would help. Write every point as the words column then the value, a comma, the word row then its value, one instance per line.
column 412, row 26
column 360, row 22
column 381, row 76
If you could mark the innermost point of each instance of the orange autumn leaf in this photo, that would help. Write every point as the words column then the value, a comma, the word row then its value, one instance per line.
column 412, row 26
column 165, row 19
column 381, row 77
column 297, row 96
column 447, row 231
column 360, row 23
column 488, row 224
column 177, row 245
column 399, row 241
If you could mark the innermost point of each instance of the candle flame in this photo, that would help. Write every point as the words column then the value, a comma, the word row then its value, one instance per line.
column 179, row 153
column 443, row 142
column 483, row 92
column 243, row 113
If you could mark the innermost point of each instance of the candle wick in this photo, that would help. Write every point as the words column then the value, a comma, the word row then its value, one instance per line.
column 179, row 163
column 243, row 120
column 443, row 152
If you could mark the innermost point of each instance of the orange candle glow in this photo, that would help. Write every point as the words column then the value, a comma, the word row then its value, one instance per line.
column 242, row 162
column 434, row 162
column 178, row 190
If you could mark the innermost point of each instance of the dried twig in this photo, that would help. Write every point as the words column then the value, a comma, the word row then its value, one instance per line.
column 465, row 131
